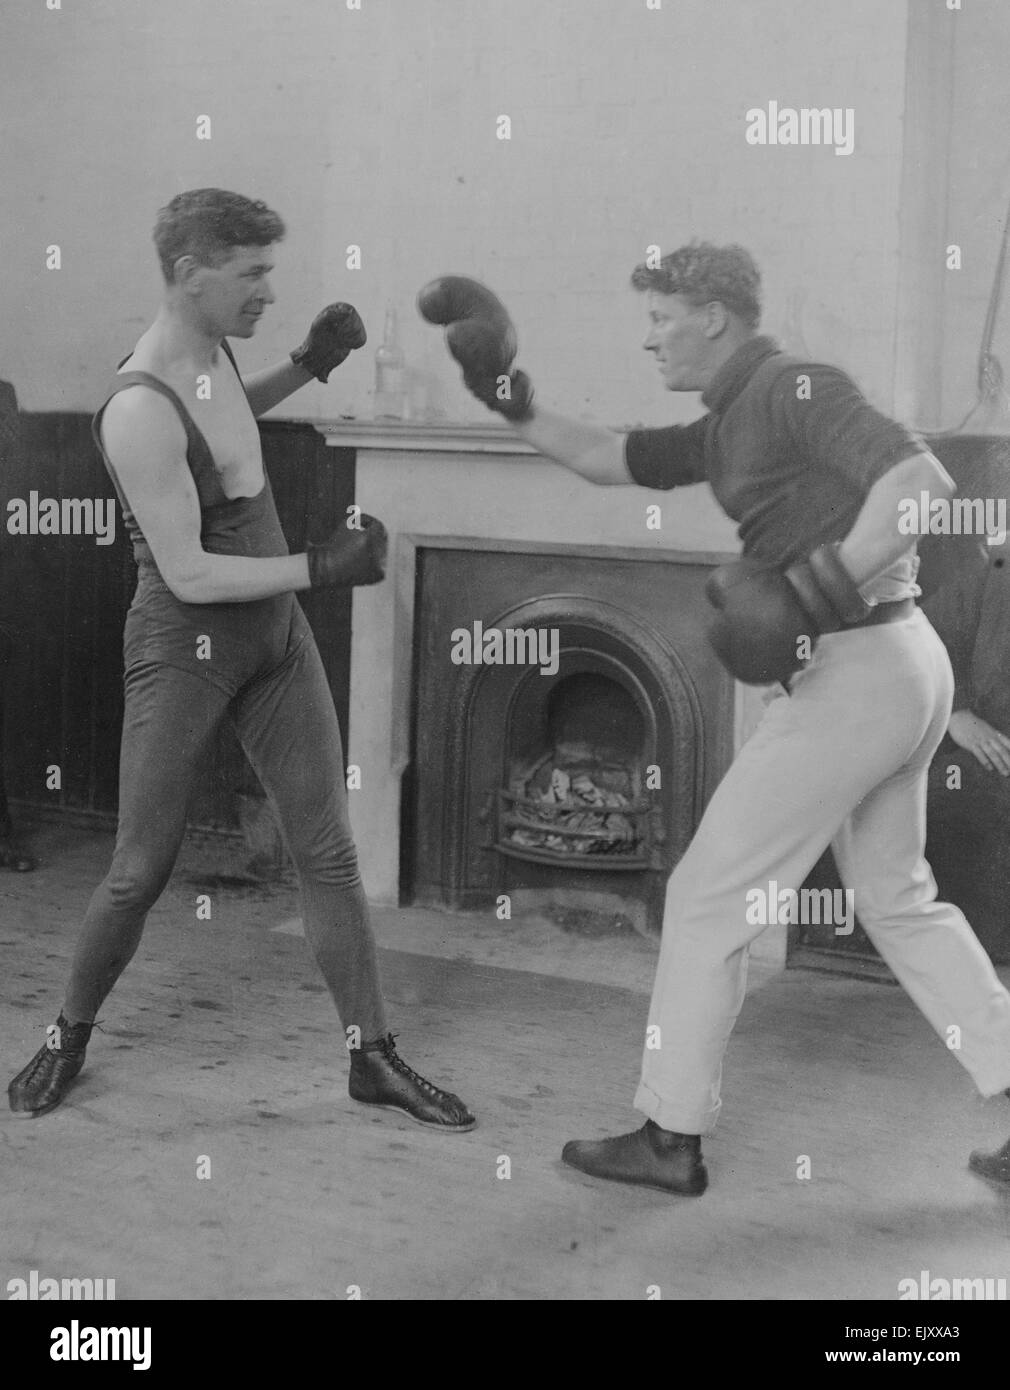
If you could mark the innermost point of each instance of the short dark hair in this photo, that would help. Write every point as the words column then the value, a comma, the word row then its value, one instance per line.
column 209, row 223
column 701, row 272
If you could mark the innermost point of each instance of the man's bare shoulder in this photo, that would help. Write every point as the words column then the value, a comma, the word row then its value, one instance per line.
column 141, row 415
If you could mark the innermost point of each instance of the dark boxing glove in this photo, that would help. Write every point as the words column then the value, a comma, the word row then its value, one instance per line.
column 350, row 556
column 480, row 335
column 334, row 332
column 759, row 622
column 768, row 622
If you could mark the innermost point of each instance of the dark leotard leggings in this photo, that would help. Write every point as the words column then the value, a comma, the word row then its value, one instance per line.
column 259, row 667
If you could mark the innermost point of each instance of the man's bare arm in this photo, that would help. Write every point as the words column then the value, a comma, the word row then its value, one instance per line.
column 146, row 445
column 274, row 384
column 875, row 542
column 590, row 450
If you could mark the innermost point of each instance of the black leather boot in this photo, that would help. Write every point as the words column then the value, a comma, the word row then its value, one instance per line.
column 49, row 1075
column 650, row 1157
column 379, row 1076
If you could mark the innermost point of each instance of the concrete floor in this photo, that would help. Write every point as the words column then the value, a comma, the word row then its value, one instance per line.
column 219, row 1043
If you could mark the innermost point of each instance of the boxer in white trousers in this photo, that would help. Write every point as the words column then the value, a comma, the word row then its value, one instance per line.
column 822, row 603
column 844, row 760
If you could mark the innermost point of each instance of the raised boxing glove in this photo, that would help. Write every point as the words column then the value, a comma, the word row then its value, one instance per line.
column 482, row 339
column 334, row 332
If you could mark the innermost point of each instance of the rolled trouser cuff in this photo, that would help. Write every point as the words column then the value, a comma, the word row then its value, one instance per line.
column 679, row 1119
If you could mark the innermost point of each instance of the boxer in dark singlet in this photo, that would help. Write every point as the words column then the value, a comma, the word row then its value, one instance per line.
column 214, row 633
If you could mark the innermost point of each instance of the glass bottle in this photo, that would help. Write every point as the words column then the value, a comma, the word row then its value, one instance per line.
column 390, row 388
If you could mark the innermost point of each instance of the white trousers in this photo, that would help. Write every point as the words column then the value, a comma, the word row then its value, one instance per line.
column 841, row 760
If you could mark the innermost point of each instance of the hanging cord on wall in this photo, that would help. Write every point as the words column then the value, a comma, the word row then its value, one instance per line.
column 990, row 369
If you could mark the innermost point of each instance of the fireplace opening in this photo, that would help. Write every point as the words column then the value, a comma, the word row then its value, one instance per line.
column 576, row 788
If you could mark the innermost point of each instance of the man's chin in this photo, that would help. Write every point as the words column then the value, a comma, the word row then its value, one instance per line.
column 679, row 383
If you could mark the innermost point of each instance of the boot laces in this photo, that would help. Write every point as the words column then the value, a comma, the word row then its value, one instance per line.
column 46, row 1054
column 387, row 1047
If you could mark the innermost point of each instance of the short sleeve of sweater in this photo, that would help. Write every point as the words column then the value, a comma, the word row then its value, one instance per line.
column 669, row 457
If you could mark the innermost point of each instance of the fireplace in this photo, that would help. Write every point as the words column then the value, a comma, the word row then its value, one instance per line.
column 571, row 787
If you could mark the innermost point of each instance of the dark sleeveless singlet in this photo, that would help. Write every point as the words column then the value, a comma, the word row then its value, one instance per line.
column 245, row 638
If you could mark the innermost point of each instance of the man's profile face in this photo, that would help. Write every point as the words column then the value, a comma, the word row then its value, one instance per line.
column 677, row 339
column 234, row 294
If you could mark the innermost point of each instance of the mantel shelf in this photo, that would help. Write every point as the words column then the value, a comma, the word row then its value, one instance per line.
column 415, row 437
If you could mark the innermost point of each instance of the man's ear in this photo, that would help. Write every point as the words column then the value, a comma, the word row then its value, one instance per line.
column 185, row 274
column 716, row 319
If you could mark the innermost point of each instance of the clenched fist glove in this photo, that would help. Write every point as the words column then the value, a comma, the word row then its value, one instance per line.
column 480, row 335
column 334, row 332
column 351, row 556
column 768, row 621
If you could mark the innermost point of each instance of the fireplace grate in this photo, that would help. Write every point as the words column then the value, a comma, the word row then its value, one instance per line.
column 629, row 851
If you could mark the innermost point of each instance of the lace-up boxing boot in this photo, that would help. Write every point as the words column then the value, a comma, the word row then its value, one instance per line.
column 380, row 1076
column 49, row 1075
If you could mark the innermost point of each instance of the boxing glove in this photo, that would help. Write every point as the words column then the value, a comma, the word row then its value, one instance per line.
column 480, row 336
column 351, row 556
column 334, row 332
column 768, row 621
